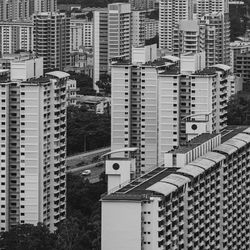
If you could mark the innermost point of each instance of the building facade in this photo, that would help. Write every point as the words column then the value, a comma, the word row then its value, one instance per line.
column 119, row 31
column 171, row 12
column 151, row 101
column 100, row 45
column 81, row 34
column 217, row 43
column 197, row 200
column 151, row 28
column 33, row 146
column 210, row 6
column 16, row 35
column 142, row 4
column 52, row 39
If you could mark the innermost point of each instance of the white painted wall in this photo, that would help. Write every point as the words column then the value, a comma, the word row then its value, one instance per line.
column 121, row 225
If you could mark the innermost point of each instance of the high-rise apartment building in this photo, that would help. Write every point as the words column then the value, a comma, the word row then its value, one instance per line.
column 171, row 12
column 210, row 6
column 237, row 48
column 188, row 36
column 100, row 44
column 199, row 198
column 142, row 4
column 52, row 39
column 119, row 31
column 151, row 101
column 151, row 28
column 14, row 10
column 81, row 34
column 217, row 43
column 33, row 146
column 43, row 6
column 138, row 28
column 16, row 35
column 242, row 69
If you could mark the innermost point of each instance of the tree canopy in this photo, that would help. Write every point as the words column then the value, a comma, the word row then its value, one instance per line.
column 81, row 229
column 86, row 130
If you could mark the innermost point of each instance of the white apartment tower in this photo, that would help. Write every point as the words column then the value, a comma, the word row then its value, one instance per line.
column 151, row 101
column 138, row 28
column 52, row 39
column 16, row 35
column 217, row 43
column 44, row 6
column 81, row 34
column 33, row 147
column 171, row 12
column 119, row 30
column 210, row 6
column 14, row 10
column 100, row 44
column 189, row 36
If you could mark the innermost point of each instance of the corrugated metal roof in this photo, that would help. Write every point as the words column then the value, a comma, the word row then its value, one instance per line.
column 162, row 188
column 191, row 170
column 176, row 179
column 214, row 156
column 226, row 148
column 58, row 74
column 235, row 142
column 203, row 163
column 243, row 137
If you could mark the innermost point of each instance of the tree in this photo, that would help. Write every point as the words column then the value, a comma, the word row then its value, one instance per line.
column 239, row 110
column 69, row 235
column 104, row 84
column 28, row 237
column 83, row 129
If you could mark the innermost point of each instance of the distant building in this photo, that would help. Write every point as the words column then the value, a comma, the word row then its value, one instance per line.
column 119, row 31
column 96, row 104
column 242, row 69
column 100, row 45
column 16, row 35
column 171, row 12
column 142, row 4
column 151, row 28
column 81, row 34
column 237, row 48
column 71, row 92
column 52, row 39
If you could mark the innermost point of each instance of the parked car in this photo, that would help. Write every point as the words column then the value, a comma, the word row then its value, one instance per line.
column 86, row 172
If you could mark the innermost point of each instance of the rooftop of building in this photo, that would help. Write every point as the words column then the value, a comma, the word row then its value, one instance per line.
column 205, row 71
column 40, row 80
column 164, row 180
column 58, row 74
column 91, row 99
column 200, row 139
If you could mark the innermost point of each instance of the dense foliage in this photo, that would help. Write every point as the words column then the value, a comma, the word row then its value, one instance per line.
column 83, row 82
column 81, row 229
column 238, row 21
column 86, row 130
column 239, row 110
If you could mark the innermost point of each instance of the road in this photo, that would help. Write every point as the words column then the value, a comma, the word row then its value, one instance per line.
column 78, row 163
column 84, row 158
column 95, row 168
